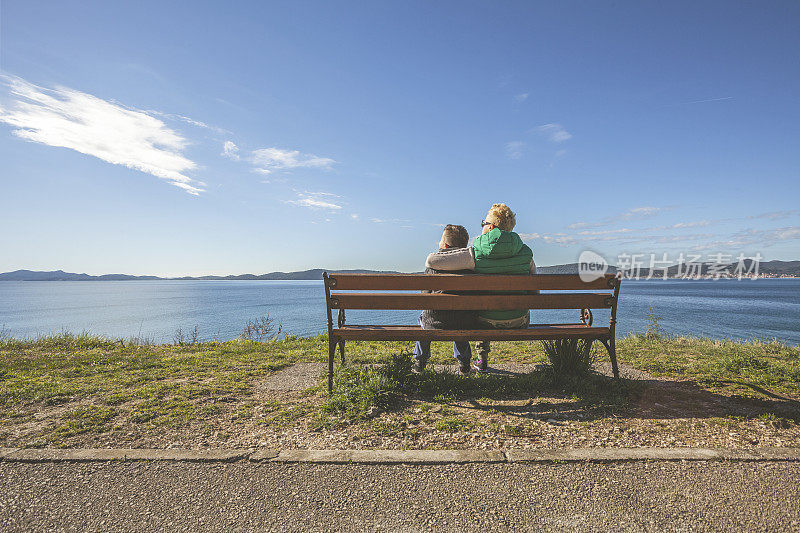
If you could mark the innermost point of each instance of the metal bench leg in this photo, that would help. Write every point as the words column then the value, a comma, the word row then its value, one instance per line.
column 611, row 347
column 341, row 349
column 614, row 366
column 331, row 355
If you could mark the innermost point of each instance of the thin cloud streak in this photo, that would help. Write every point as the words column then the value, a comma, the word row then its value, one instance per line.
column 554, row 132
column 631, row 214
column 709, row 100
column 316, row 200
column 776, row 215
column 268, row 160
column 189, row 121
column 763, row 238
column 66, row 118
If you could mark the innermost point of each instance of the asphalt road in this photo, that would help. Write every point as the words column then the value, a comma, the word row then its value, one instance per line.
column 246, row 496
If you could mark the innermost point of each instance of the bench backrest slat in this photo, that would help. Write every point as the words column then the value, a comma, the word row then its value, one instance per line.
column 458, row 282
column 349, row 300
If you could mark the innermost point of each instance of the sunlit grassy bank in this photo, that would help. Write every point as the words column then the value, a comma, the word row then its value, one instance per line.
column 58, row 390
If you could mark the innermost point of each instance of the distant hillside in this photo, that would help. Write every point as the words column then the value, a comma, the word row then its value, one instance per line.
column 781, row 267
column 765, row 268
column 570, row 268
column 314, row 273
column 60, row 275
column 769, row 268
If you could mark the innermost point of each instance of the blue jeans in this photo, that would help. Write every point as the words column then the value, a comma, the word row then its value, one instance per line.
column 461, row 350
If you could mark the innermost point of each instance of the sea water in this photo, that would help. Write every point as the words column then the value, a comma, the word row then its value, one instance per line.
column 155, row 310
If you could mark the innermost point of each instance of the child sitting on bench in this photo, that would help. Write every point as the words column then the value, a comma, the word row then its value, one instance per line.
column 453, row 238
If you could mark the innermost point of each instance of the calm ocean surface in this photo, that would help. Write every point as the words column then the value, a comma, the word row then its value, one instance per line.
column 747, row 309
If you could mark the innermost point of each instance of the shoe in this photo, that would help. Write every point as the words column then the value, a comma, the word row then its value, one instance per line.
column 418, row 366
column 464, row 367
column 481, row 365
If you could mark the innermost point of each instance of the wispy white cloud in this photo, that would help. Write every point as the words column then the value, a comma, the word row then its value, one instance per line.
column 777, row 215
column 691, row 224
column 119, row 135
column 317, row 200
column 631, row 214
column 709, row 100
column 268, row 160
column 783, row 234
column 230, row 150
column 641, row 211
column 621, row 237
column 555, row 238
column 514, row 149
column 674, row 235
column 187, row 120
column 554, row 132
column 521, row 97
column 605, row 232
column 388, row 220
column 749, row 237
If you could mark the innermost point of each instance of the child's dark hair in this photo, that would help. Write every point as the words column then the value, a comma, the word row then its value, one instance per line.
column 456, row 236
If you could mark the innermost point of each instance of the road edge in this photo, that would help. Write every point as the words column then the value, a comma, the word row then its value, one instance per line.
column 564, row 455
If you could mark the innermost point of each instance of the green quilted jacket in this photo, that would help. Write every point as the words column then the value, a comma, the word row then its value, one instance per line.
column 502, row 252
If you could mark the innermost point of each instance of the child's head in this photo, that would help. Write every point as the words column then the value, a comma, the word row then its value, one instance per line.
column 500, row 216
column 454, row 236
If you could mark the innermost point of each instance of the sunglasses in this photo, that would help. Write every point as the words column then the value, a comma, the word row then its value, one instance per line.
column 484, row 223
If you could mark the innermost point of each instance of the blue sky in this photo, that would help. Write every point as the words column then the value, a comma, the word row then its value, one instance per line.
column 230, row 137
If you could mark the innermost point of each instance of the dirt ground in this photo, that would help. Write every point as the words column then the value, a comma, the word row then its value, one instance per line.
column 665, row 412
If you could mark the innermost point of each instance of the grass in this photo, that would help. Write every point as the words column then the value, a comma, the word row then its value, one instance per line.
column 156, row 385
column 82, row 420
column 60, row 369
column 92, row 385
column 361, row 391
column 771, row 366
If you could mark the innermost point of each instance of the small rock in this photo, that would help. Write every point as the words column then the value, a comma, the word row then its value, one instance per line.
column 373, row 412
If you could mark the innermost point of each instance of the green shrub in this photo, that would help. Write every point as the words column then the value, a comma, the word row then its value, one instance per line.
column 357, row 390
column 569, row 357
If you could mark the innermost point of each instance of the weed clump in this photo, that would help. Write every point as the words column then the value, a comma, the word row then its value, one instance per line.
column 569, row 357
column 359, row 390
column 654, row 329
column 261, row 329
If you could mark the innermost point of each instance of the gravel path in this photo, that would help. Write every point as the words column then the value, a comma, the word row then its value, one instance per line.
column 247, row 496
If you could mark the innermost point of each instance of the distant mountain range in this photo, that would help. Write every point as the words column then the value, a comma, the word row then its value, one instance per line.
column 60, row 275
column 765, row 268
column 768, row 268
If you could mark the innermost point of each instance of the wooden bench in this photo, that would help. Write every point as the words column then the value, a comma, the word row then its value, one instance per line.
column 357, row 291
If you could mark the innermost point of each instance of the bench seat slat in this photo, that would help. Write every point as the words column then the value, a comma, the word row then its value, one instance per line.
column 412, row 333
column 466, row 302
column 461, row 282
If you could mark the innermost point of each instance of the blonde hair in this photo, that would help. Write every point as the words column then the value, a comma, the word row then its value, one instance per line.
column 502, row 217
